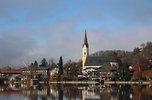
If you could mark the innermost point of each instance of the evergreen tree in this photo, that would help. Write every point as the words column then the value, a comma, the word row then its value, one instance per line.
column 35, row 63
column 60, row 72
column 60, row 66
column 120, row 75
column 43, row 63
column 126, row 75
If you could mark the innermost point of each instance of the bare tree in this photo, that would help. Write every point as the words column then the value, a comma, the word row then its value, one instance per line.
column 7, row 68
column 143, row 45
column 51, row 61
column 140, row 62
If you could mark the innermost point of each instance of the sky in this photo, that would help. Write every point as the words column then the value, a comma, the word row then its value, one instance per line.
column 31, row 30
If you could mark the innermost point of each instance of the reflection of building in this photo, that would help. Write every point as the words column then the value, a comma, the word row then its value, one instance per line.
column 53, row 92
column 100, row 92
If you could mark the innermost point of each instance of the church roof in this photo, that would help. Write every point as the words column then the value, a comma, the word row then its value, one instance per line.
column 85, row 40
column 98, row 61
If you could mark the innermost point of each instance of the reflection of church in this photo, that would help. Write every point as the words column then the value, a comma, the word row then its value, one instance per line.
column 94, row 61
column 99, row 92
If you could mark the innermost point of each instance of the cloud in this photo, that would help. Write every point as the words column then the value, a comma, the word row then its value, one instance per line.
column 106, row 39
column 35, row 29
column 14, row 48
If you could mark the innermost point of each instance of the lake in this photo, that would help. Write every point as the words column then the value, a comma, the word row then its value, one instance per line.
column 75, row 92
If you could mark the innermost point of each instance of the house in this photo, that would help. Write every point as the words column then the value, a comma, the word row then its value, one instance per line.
column 14, row 77
column 94, row 61
column 34, row 80
column 9, row 73
column 54, row 70
column 44, row 71
column 89, row 70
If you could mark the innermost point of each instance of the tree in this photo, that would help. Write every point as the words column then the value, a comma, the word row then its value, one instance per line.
column 117, row 58
column 140, row 62
column 35, row 63
column 29, row 76
column 68, row 65
column 32, row 68
column 43, row 63
column 143, row 45
column 126, row 74
column 136, row 51
column 73, row 69
column 120, row 74
column 7, row 68
column 60, row 72
column 106, row 67
column 147, row 74
column 147, row 51
column 51, row 61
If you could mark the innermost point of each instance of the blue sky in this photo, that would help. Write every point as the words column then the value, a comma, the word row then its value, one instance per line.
column 35, row 29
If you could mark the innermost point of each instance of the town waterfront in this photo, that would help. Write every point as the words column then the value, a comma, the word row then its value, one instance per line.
column 75, row 92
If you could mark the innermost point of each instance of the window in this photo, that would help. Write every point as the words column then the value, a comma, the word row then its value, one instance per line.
column 84, row 53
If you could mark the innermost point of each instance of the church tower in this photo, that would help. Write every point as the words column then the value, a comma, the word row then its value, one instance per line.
column 85, row 50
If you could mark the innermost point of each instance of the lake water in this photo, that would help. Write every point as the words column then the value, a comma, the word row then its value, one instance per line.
column 75, row 92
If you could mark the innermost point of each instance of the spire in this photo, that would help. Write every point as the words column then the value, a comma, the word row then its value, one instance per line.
column 85, row 40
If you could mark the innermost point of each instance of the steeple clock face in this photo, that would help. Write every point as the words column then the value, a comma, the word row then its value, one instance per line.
column 84, row 49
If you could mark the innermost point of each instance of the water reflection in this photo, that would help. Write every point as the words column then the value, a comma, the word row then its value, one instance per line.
column 75, row 92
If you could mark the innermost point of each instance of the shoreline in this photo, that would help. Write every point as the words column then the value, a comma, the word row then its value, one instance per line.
column 105, row 82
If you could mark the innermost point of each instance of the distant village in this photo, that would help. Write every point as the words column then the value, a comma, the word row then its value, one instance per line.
column 112, row 65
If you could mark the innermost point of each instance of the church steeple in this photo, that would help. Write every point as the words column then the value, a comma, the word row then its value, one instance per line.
column 85, row 52
column 85, row 40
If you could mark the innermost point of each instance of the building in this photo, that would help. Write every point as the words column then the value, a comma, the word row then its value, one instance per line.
column 43, row 70
column 94, row 61
column 9, row 73
column 53, row 71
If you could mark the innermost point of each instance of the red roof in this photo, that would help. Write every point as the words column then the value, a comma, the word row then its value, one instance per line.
column 35, row 74
column 15, row 75
column 11, row 71
column 106, row 75
column 10, row 92
column 93, row 68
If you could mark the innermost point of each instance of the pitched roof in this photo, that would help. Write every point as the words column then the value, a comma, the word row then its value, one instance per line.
column 42, row 68
column 15, row 75
column 98, row 61
column 85, row 40
column 55, row 70
column 11, row 71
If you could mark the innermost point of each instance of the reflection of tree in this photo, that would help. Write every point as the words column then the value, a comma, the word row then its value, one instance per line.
column 124, row 91
column 72, row 92
column 138, row 94
column 105, row 96
column 44, row 98
column 60, row 92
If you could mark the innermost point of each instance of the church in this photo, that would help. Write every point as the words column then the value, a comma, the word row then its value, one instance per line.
column 94, row 61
